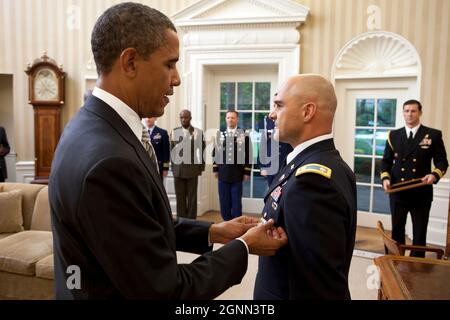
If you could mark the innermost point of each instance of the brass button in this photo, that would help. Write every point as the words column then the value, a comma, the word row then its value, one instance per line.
column 414, row 160
column 403, row 169
column 403, row 179
column 414, row 170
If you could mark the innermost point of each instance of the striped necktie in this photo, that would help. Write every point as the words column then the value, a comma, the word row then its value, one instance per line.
column 149, row 147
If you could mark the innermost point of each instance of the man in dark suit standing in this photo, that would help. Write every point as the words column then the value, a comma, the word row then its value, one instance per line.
column 4, row 150
column 160, row 141
column 187, row 146
column 111, row 220
column 313, row 198
column 231, row 166
column 270, row 161
column 407, row 155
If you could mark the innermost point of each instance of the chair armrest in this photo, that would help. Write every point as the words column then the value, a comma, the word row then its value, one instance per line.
column 439, row 252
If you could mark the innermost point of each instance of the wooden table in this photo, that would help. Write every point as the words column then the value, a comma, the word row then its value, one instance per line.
column 408, row 278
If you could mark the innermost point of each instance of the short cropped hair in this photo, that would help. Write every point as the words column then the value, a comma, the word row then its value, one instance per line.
column 233, row 111
column 127, row 25
column 413, row 101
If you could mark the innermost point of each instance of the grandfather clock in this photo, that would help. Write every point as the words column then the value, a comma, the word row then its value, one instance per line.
column 46, row 94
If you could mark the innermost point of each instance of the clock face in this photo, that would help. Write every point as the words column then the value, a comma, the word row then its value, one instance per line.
column 46, row 85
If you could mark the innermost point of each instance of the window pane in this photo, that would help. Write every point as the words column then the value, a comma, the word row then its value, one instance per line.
column 227, row 95
column 365, row 112
column 363, row 141
column 245, row 93
column 259, row 121
column 262, row 96
column 246, row 189
column 223, row 123
column 386, row 112
column 377, row 179
column 380, row 201
column 380, row 141
column 363, row 169
column 259, row 185
column 363, row 197
column 245, row 120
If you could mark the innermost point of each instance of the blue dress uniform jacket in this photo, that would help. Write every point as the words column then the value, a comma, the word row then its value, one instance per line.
column 111, row 217
column 271, row 162
column 161, row 144
column 314, row 199
column 402, row 162
column 232, row 160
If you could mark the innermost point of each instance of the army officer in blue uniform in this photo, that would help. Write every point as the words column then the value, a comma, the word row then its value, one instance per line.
column 231, row 166
column 407, row 155
column 160, row 141
column 313, row 198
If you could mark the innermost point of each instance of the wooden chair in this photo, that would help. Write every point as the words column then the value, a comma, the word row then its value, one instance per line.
column 392, row 247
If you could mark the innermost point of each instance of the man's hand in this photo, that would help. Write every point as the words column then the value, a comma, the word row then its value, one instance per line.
column 165, row 173
column 246, row 178
column 265, row 239
column 264, row 173
column 386, row 184
column 216, row 175
column 226, row 231
column 429, row 179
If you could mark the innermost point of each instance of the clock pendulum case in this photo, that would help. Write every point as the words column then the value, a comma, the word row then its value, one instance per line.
column 46, row 95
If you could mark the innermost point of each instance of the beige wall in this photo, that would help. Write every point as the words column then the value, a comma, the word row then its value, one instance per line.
column 425, row 23
column 28, row 27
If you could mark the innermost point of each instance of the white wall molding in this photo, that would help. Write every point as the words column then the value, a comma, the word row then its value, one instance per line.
column 25, row 171
column 437, row 225
column 237, row 12
column 234, row 33
column 377, row 54
column 11, row 159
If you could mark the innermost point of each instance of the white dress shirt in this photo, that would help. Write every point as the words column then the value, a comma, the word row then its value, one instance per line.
column 414, row 130
column 128, row 115
column 302, row 146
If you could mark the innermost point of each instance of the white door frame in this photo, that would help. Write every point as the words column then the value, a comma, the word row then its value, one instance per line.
column 232, row 73
column 344, row 125
column 197, row 84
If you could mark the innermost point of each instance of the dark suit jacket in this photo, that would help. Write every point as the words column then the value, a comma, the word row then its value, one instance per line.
column 402, row 162
column 319, row 216
column 4, row 150
column 161, row 144
column 191, row 164
column 112, row 218
column 232, row 156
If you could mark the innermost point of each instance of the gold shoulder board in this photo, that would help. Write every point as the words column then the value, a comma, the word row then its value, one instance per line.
column 314, row 168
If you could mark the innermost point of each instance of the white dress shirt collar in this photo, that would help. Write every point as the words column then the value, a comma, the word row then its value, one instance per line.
column 302, row 146
column 414, row 130
column 128, row 115
column 150, row 129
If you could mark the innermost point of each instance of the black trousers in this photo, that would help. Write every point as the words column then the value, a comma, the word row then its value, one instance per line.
column 419, row 216
column 186, row 193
